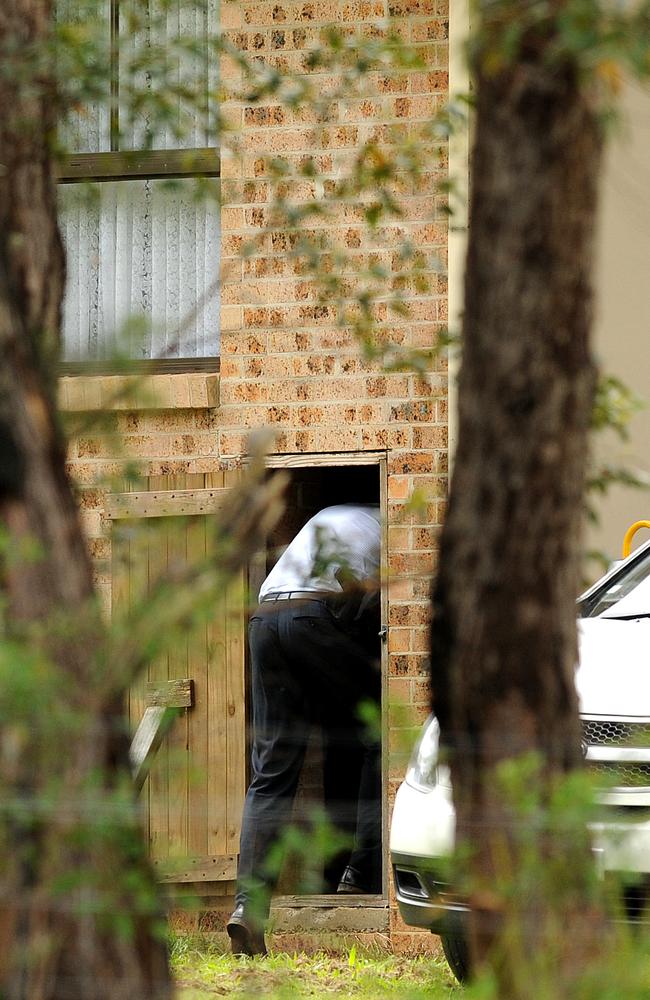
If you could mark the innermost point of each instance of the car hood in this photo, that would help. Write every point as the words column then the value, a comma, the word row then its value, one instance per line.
column 613, row 676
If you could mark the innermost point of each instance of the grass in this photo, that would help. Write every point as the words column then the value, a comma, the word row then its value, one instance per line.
column 203, row 971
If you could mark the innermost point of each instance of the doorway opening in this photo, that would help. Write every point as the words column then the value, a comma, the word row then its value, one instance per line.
column 312, row 848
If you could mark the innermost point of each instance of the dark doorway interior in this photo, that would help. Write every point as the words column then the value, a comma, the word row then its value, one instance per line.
column 309, row 490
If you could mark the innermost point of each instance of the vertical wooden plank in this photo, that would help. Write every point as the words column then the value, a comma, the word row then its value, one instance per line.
column 236, row 629
column 177, row 740
column 197, row 669
column 120, row 560
column 138, row 585
column 158, row 783
column 217, row 735
column 217, row 717
column 236, row 712
column 137, row 703
column 214, row 480
column 134, row 541
column 231, row 477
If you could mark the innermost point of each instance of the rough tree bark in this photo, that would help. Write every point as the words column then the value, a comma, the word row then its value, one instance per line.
column 503, row 634
column 64, row 878
column 80, row 913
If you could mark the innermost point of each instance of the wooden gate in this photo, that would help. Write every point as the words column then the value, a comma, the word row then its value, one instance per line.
column 194, row 796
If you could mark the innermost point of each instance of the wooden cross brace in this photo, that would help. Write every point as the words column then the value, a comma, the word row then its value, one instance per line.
column 165, row 701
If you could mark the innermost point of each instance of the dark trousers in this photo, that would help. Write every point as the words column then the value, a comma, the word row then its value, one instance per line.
column 308, row 668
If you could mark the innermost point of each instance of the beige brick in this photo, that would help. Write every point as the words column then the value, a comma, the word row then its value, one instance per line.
column 399, row 690
column 400, row 589
column 230, row 14
column 232, row 218
column 231, row 165
column 399, row 487
column 231, row 318
column 180, row 391
column 333, row 439
column 409, row 463
column 89, row 447
column 429, row 437
column 398, row 538
column 411, row 563
column 386, row 437
column 420, row 642
column 409, row 614
column 91, row 523
column 232, row 443
column 425, row 538
column 412, row 411
column 241, row 342
column 145, row 446
column 399, row 640
column 232, row 367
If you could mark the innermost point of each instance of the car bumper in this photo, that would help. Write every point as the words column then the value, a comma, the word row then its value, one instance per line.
column 423, row 897
column 422, row 842
column 623, row 845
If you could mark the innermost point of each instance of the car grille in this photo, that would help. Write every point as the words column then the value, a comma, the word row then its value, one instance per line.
column 619, row 734
column 624, row 775
column 612, row 733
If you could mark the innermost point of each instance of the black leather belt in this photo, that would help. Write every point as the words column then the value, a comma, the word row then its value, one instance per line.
column 299, row 595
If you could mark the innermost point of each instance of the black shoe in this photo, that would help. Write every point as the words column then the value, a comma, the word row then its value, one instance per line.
column 350, row 882
column 245, row 937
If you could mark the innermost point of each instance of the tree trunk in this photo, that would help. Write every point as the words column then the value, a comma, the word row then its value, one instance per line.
column 504, row 633
column 79, row 913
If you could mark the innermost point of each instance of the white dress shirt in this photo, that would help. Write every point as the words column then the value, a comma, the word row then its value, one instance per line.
column 344, row 539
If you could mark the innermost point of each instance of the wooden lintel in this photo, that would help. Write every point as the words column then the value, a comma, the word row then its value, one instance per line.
column 140, row 390
column 326, row 459
column 222, row 868
column 171, row 694
column 164, row 503
column 130, row 165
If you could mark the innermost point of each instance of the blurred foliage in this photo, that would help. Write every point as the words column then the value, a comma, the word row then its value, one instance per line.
column 615, row 406
column 600, row 38
column 167, row 88
column 543, row 869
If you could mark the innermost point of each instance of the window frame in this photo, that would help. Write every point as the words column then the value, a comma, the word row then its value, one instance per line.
column 128, row 165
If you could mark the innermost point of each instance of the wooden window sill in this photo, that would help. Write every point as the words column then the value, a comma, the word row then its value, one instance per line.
column 181, row 391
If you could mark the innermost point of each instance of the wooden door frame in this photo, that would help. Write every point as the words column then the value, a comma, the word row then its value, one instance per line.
column 337, row 902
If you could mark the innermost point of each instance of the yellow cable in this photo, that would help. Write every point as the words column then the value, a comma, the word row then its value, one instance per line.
column 629, row 535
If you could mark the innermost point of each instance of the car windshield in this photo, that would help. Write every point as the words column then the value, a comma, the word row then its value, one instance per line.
column 626, row 594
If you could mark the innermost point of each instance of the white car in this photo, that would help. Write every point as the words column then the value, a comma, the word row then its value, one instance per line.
column 613, row 683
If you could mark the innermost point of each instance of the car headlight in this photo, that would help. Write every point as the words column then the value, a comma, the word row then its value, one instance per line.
column 422, row 772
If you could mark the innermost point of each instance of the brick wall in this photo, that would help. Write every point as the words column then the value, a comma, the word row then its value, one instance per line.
column 285, row 362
